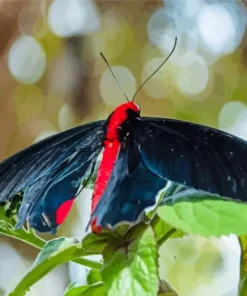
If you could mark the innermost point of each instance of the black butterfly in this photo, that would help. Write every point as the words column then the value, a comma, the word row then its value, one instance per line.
column 140, row 156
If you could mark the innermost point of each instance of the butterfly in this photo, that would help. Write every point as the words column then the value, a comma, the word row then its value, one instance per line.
column 140, row 155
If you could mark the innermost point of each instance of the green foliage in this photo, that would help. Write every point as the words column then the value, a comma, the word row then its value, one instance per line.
column 163, row 231
column 93, row 285
column 87, row 290
column 54, row 253
column 134, row 263
column 130, row 253
column 8, row 219
column 205, row 214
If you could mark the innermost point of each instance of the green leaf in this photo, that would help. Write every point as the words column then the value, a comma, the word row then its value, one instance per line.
column 93, row 290
column 21, row 234
column 161, row 228
column 118, row 238
column 9, row 209
column 95, row 242
column 122, row 229
column 205, row 214
column 54, row 247
column 108, row 252
column 93, row 277
column 8, row 220
column 53, row 254
column 56, row 252
column 163, row 231
column 169, row 190
column 91, row 286
column 132, row 270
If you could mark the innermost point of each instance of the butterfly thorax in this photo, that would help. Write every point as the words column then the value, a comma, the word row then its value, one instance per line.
column 112, row 144
column 117, row 118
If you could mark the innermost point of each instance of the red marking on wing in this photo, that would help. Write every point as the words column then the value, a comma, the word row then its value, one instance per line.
column 111, row 149
column 63, row 211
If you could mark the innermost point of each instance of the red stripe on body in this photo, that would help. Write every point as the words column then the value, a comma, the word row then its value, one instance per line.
column 110, row 153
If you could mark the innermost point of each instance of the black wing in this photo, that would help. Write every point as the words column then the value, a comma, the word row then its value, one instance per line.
column 130, row 189
column 49, row 174
column 194, row 155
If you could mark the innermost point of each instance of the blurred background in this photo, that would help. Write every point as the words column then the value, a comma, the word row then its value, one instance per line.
column 52, row 78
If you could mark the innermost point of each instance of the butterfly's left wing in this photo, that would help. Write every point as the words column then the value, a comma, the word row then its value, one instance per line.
column 49, row 173
column 194, row 155
column 131, row 189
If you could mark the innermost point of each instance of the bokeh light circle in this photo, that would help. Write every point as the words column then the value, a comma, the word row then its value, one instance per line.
column 113, row 40
column 164, row 25
column 158, row 24
column 44, row 135
column 161, row 84
column 32, row 18
column 217, row 29
column 27, row 60
column 73, row 17
column 66, row 117
column 233, row 118
column 193, row 75
column 109, row 90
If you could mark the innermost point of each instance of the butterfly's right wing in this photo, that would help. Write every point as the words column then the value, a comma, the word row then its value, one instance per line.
column 49, row 173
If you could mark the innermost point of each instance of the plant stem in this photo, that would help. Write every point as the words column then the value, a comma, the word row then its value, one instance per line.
column 243, row 270
column 243, row 286
column 39, row 243
column 88, row 263
column 165, row 237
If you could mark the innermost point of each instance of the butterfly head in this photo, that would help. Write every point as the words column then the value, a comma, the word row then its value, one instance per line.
column 126, row 107
column 122, row 114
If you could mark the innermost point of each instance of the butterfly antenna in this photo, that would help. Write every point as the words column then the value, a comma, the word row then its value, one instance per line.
column 174, row 46
column 114, row 76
